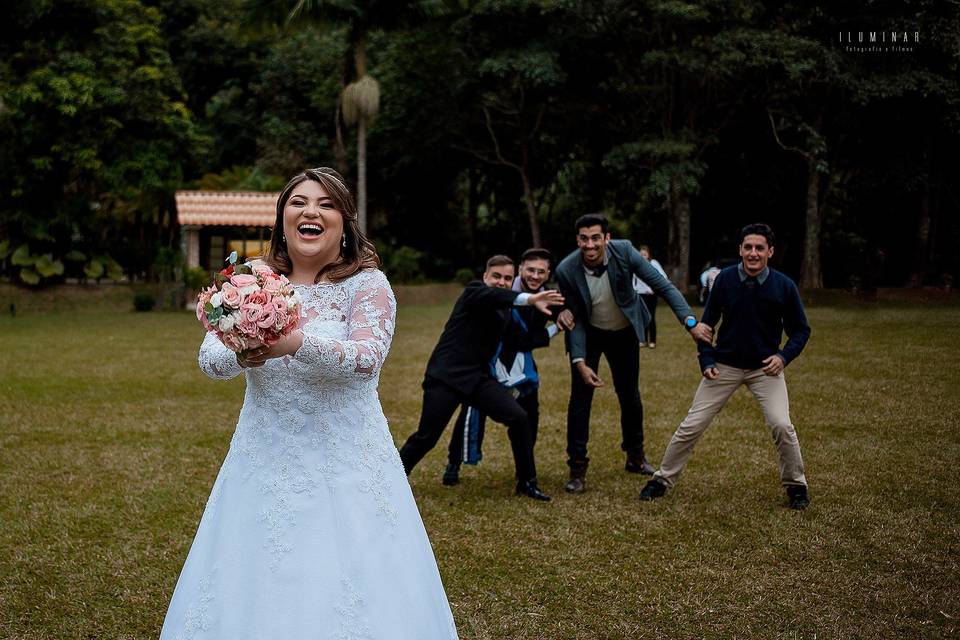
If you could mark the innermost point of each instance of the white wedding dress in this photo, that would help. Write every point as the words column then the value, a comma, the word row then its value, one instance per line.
column 311, row 531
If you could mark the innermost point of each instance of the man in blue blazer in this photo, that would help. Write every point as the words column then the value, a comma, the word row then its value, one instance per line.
column 609, row 319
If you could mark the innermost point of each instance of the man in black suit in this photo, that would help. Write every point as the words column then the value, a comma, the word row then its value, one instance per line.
column 596, row 280
column 526, row 330
column 458, row 370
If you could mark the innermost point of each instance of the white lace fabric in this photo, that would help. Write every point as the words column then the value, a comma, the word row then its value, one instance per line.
column 311, row 530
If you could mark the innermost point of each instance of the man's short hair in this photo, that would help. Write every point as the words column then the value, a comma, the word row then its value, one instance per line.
column 537, row 253
column 592, row 220
column 758, row 229
column 499, row 260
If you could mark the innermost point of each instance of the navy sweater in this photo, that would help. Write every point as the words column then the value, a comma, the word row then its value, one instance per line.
column 754, row 319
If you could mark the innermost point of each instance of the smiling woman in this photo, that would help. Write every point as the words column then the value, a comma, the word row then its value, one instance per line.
column 311, row 526
column 316, row 236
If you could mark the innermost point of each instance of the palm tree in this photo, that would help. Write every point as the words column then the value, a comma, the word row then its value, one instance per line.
column 359, row 100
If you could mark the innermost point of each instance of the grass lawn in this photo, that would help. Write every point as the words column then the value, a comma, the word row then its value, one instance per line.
column 110, row 438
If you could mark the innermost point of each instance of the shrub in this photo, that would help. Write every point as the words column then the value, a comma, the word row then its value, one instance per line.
column 196, row 278
column 143, row 301
column 403, row 264
column 464, row 275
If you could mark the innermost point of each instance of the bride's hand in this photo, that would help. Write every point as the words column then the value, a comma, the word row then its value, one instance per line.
column 287, row 346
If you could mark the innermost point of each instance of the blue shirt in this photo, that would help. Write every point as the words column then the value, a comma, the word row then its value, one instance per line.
column 755, row 313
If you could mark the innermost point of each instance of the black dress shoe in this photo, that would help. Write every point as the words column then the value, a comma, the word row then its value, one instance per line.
column 653, row 490
column 639, row 464
column 451, row 475
column 531, row 490
column 799, row 498
column 576, row 484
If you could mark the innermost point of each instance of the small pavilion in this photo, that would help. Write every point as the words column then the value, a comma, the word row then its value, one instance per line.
column 214, row 223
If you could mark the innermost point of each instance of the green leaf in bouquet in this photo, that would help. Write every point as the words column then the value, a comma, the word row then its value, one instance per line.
column 93, row 269
column 215, row 315
column 244, row 269
column 4, row 249
column 22, row 258
column 47, row 267
column 29, row 276
column 75, row 256
column 208, row 308
column 220, row 278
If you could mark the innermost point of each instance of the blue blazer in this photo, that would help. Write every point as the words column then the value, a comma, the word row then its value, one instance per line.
column 624, row 262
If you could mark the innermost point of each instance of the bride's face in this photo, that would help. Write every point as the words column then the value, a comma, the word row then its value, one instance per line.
column 312, row 224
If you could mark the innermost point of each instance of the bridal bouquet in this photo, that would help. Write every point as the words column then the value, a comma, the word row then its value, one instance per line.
column 249, row 305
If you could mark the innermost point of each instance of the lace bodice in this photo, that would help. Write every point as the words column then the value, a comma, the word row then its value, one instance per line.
column 315, row 415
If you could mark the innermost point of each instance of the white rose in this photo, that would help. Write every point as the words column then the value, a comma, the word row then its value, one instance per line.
column 216, row 299
column 227, row 322
column 245, row 291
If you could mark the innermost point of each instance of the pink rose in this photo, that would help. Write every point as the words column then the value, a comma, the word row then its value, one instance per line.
column 267, row 316
column 202, row 299
column 262, row 270
column 247, row 325
column 232, row 342
column 259, row 298
column 231, row 296
column 241, row 280
column 273, row 285
column 280, row 314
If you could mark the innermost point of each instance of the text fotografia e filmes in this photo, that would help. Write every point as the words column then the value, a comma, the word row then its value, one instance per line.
column 892, row 37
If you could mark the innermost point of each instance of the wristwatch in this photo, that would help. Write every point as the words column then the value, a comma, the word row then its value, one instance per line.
column 689, row 322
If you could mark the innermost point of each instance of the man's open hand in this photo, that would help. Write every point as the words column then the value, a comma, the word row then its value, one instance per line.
column 544, row 300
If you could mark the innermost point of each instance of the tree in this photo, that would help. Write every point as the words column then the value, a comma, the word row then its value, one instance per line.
column 96, row 134
column 360, row 99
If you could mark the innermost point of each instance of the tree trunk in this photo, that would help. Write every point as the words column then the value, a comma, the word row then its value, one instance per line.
column 531, row 209
column 921, row 253
column 339, row 148
column 810, row 275
column 362, row 174
column 473, row 193
column 679, row 238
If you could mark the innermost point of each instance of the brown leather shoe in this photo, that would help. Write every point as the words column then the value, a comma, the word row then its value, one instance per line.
column 576, row 484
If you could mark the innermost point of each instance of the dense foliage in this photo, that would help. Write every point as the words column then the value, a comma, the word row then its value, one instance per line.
column 499, row 122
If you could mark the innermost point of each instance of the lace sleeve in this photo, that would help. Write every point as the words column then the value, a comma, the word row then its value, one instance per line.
column 216, row 360
column 373, row 311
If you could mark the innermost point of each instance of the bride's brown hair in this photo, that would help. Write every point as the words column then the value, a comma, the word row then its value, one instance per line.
column 358, row 254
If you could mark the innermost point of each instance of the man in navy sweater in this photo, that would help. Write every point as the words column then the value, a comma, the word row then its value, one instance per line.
column 757, row 305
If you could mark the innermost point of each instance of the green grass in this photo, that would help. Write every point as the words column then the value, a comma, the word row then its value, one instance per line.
column 110, row 438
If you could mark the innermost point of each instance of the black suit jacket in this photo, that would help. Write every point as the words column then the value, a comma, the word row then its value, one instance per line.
column 469, row 340
column 516, row 339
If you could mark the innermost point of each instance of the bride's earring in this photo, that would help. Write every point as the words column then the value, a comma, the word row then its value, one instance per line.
column 344, row 243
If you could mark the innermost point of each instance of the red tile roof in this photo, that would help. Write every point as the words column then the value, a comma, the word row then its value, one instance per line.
column 233, row 208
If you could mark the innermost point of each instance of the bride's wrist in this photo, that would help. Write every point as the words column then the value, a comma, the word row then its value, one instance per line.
column 294, row 342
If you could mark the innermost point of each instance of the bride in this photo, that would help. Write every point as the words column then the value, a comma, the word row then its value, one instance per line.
column 311, row 530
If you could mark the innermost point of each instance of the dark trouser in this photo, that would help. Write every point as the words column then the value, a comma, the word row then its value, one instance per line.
column 622, row 350
column 650, row 299
column 529, row 403
column 441, row 400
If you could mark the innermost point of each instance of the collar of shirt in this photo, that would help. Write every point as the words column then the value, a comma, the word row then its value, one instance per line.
column 760, row 277
column 596, row 272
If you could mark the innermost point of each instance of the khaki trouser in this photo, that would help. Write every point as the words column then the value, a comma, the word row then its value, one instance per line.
column 711, row 396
